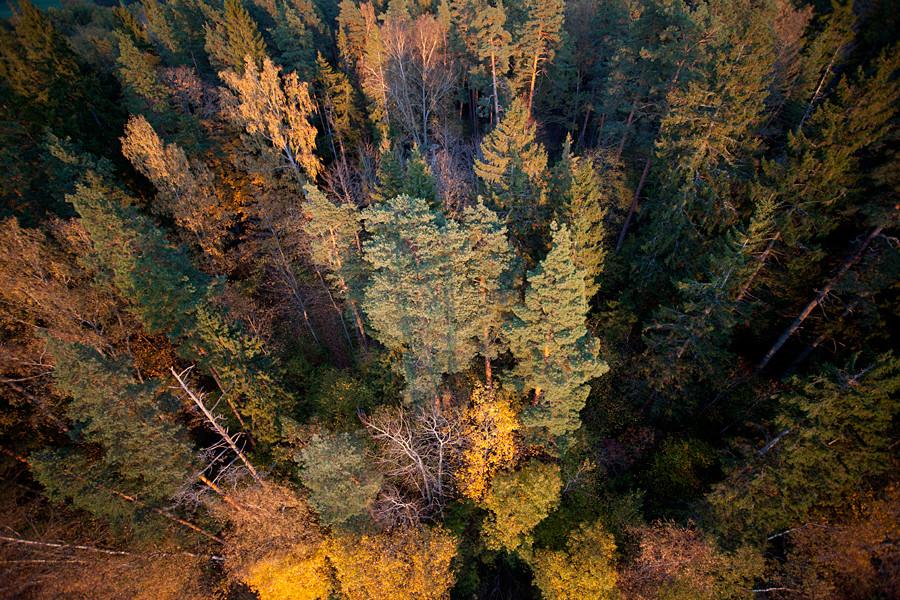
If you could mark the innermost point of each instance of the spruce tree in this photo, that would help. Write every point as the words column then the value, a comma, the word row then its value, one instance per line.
column 815, row 183
column 339, row 107
column 295, row 42
column 708, row 141
column 556, row 355
column 834, row 438
column 580, row 195
column 233, row 38
column 170, row 296
column 513, row 170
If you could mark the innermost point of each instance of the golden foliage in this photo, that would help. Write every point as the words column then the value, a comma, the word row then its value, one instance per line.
column 585, row 569
column 276, row 109
column 411, row 563
column 298, row 575
column 267, row 521
column 187, row 189
column 489, row 429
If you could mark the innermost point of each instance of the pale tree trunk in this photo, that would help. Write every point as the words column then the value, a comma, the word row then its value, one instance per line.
column 337, row 309
column 823, row 293
column 534, row 70
column 760, row 263
column 289, row 275
column 494, row 83
column 197, row 399
column 815, row 343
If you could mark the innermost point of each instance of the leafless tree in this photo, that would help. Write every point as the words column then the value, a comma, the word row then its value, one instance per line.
column 417, row 452
column 419, row 71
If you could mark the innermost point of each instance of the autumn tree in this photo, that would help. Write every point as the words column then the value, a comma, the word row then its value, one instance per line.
column 394, row 564
column 187, row 189
column 682, row 562
column 273, row 544
column 584, row 569
column 489, row 427
column 417, row 452
column 517, row 501
column 276, row 110
column 419, row 73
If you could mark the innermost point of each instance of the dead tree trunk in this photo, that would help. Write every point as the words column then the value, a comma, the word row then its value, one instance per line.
column 197, row 399
column 823, row 293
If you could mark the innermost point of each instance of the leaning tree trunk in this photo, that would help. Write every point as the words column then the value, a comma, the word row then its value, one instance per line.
column 823, row 293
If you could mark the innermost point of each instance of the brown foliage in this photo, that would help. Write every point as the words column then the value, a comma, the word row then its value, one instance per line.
column 854, row 560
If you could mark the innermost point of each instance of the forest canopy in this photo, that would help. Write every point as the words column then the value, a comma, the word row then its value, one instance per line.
column 561, row 299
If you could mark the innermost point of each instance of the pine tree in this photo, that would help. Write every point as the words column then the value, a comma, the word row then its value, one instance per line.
column 556, row 355
column 342, row 485
column 233, row 38
column 416, row 299
column 491, row 43
column 489, row 270
column 512, row 168
column 536, row 43
column 145, row 451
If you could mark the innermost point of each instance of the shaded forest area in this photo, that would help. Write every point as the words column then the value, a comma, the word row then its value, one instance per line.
column 450, row 299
